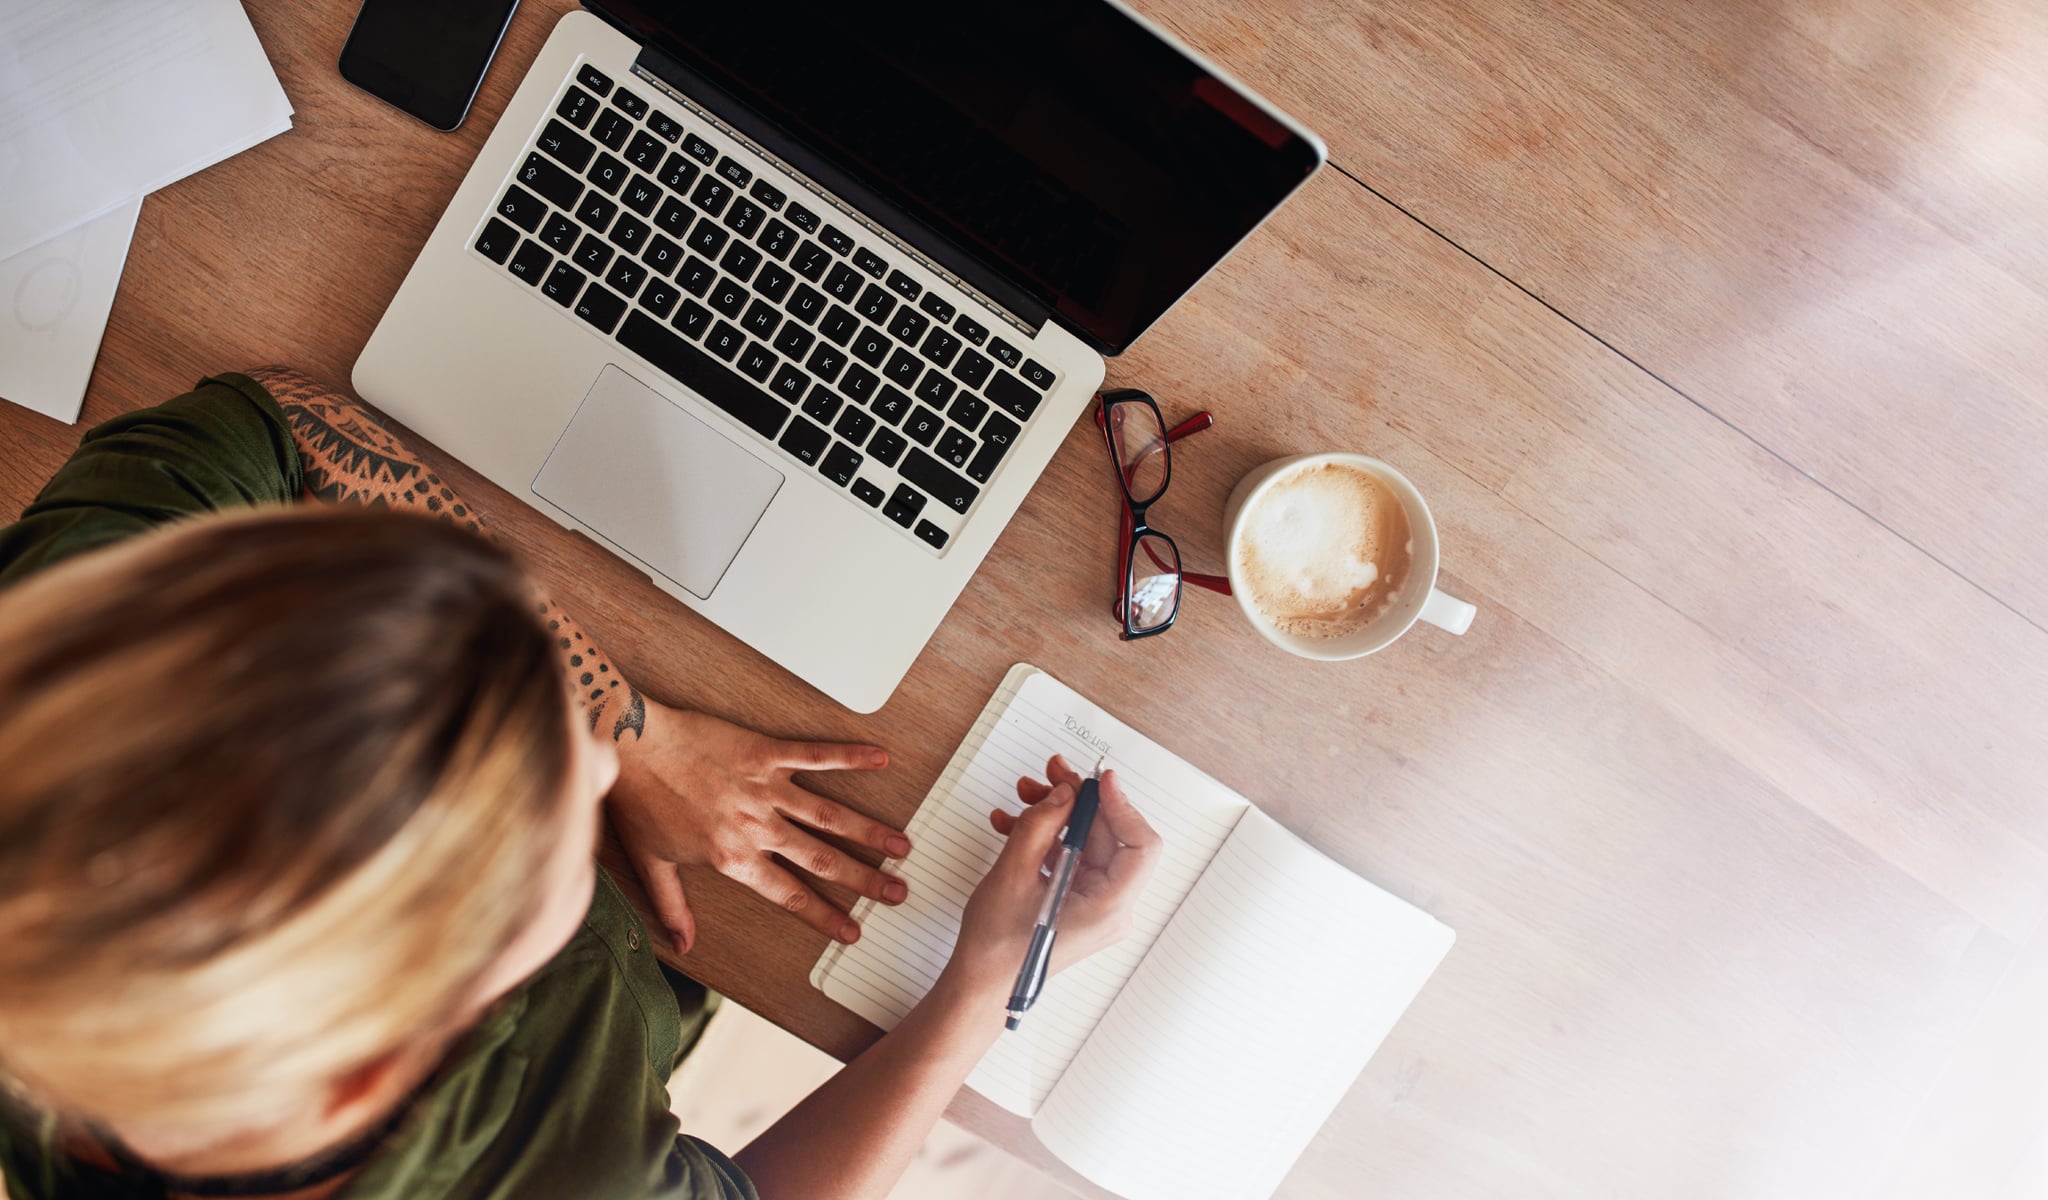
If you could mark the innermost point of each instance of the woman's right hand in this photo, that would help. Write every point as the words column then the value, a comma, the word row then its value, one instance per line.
column 854, row 1135
column 1120, row 855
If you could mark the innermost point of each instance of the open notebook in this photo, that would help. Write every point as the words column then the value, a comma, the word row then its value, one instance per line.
column 1258, row 978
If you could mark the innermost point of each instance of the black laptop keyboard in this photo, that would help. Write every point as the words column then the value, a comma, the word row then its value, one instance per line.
column 820, row 344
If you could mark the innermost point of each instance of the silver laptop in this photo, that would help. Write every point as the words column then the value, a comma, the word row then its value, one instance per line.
column 789, row 304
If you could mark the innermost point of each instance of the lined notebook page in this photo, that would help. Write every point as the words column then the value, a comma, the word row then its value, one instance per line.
column 1032, row 717
column 1246, row 1024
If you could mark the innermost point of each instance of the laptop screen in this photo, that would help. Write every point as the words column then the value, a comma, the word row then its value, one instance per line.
column 1058, row 145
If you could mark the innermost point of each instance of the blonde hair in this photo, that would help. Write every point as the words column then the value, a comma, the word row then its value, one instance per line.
column 274, row 791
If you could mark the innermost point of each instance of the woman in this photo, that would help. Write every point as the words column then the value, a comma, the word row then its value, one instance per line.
column 296, row 827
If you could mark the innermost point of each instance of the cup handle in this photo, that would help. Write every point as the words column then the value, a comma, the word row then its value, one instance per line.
column 1447, row 612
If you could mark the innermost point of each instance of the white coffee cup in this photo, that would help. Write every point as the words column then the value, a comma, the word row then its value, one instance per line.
column 1418, row 597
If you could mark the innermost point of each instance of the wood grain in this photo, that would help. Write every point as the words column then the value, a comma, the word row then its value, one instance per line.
column 1733, row 790
column 1820, row 221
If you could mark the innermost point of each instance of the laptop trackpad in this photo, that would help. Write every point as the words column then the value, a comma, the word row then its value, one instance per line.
column 658, row 483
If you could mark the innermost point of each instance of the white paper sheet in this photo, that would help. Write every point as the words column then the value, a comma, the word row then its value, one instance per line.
column 1032, row 717
column 1251, row 1017
column 54, row 301
column 102, row 101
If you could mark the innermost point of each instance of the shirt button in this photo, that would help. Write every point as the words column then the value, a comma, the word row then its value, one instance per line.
column 632, row 939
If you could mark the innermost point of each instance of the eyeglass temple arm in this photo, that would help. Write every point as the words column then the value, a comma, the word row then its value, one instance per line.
column 1220, row 584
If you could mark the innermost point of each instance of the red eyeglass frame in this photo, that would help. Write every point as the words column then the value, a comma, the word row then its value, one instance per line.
column 1131, row 511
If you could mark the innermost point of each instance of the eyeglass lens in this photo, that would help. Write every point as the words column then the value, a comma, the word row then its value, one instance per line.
column 1153, row 588
column 1140, row 443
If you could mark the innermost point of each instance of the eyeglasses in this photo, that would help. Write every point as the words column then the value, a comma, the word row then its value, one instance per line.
column 1149, row 577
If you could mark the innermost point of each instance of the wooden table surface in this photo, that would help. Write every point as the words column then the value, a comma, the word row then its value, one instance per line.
column 1715, row 335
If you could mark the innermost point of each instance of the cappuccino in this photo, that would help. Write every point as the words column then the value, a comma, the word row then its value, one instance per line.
column 1324, row 551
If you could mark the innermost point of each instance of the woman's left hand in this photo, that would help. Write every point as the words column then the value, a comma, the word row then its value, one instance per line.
column 697, row 791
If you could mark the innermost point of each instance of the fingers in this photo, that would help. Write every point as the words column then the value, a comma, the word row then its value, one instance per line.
column 665, row 892
column 1059, row 771
column 1103, row 841
column 1004, row 824
column 1142, row 847
column 828, row 862
column 830, row 816
column 788, row 893
column 1124, row 820
column 1033, row 832
column 829, row 756
column 1101, row 844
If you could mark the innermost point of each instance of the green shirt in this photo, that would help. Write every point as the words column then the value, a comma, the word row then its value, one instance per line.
column 561, row 1091
column 223, row 445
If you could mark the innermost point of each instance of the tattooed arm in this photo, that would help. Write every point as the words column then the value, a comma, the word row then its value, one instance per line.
column 693, row 790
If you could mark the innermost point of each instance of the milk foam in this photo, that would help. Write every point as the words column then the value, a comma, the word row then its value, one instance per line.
column 1324, row 551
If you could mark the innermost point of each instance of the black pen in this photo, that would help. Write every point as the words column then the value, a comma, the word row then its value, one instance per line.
column 1031, row 979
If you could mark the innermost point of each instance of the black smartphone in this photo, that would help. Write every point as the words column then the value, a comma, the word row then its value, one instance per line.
column 425, row 56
